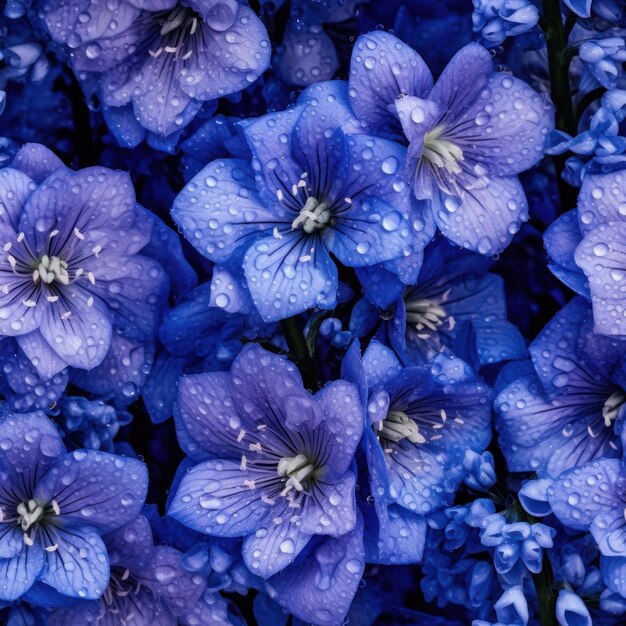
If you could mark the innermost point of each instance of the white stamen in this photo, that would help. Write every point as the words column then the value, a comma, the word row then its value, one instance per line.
column 398, row 426
column 78, row 234
column 298, row 468
column 442, row 153
column 51, row 269
column 315, row 215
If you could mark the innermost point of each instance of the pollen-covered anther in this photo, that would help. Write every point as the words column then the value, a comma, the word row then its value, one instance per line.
column 612, row 407
column 29, row 513
column 313, row 216
column 51, row 269
column 424, row 313
column 398, row 426
column 298, row 469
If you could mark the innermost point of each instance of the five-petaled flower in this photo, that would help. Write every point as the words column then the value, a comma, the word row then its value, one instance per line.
column 70, row 275
column 273, row 461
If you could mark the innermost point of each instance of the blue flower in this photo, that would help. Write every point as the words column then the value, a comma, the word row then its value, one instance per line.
column 455, row 306
column 274, row 461
column 157, row 62
column 464, row 134
column 70, row 275
column 312, row 190
column 420, row 422
column 569, row 408
column 511, row 609
column 517, row 545
column 91, row 424
column 55, row 506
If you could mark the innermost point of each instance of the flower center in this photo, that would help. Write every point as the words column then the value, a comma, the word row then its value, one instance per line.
column 50, row 269
column 298, row 469
column 424, row 313
column 177, row 29
column 398, row 426
column 313, row 216
column 442, row 153
column 29, row 513
column 612, row 407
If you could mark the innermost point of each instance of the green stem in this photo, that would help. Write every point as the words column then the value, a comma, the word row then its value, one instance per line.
column 299, row 351
column 560, row 90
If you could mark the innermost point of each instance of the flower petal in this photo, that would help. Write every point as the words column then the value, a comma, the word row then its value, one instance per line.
column 83, row 338
column 382, row 69
column 219, row 210
column 18, row 574
column 212, row 499
column 289, row 275
column 79, row 567
column 486, row 218
column 103, row 490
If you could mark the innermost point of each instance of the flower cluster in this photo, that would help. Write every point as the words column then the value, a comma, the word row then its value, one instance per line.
column 312, row 312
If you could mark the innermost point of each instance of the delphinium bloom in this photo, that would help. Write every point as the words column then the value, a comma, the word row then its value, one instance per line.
column 56, row 505
column 588, row 250
column 456, row 306
column 469, row 135
column 420, row 422
column 157, row 62
column 310, row 191
column 148, row 585
column 273, row 463
column 567, row 407
column 71, row 279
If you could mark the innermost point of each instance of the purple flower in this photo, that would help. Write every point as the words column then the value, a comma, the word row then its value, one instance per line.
column 157, row 61
column 469, row 135
column 274, row 462
column 55, row 506
column 70, row 276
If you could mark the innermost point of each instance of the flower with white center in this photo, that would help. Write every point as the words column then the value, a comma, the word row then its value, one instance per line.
column 193, row 51
column 54, row 507
column 68, row 252
column 280, row 471
column 469, row 135
column 455, row 307
column 421, row 421
column 311, row 191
